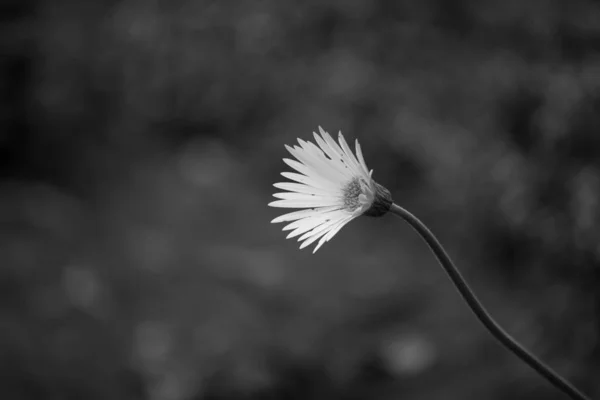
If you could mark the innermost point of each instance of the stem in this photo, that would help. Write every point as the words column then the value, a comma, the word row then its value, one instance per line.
column 475, row 305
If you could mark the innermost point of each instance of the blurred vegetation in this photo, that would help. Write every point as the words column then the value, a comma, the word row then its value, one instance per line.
column 138, row 144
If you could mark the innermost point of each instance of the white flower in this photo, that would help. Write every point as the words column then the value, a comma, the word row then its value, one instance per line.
column 331, row 185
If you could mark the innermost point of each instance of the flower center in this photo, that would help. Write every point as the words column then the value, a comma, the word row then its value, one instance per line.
column 351, row 194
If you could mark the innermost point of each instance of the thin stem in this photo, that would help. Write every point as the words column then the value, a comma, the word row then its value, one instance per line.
column 476, row 306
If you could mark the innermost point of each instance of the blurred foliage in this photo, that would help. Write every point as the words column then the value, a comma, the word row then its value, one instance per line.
column 138, row 144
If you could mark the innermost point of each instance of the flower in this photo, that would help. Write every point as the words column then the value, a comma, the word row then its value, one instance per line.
column 331, row 185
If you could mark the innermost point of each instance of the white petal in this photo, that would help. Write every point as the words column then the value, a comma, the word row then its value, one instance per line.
column 314, row 165
column 306, row 224
column 327, row 162
column 322, row 180
column 333, row 146
column 326, row 148
column 332, row 232
column 306, row 180
column 300, row 188
column 350, row 158
column 312, row 221
column 302, row 203
column 303, row 169
column 315, row 234
column 301, row 214
column 304, row 196
column 319, row 230
column 361, row 159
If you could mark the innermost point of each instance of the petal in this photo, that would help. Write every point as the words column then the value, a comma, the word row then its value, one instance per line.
column 301, row 214
column 333, row 146
column 310, row 181
column 303, row 203
column 300, row 188
column 361, row 159
column 303, row 169
column 315, row 175
column 325, row 147
column 316, row 166
column 311, row 236
column 319, row 230
column 332, row 232
column 305, row 226
column 313, row 221
column 341, row 170
column 350, row 158
column 304, row 196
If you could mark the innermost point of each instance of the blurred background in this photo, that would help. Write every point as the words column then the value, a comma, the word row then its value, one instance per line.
column 139, row 141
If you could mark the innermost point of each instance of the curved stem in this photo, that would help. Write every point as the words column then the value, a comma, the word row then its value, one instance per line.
column 475, row 305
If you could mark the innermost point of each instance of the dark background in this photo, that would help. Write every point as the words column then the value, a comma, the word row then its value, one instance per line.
column 139, row 141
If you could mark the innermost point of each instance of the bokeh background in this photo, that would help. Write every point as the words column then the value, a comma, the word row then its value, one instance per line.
column 139, row 140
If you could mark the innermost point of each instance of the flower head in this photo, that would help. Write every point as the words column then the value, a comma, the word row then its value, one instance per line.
column 331, row 185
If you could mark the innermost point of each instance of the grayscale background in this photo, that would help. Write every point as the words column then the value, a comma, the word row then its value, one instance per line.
column 139, row 141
